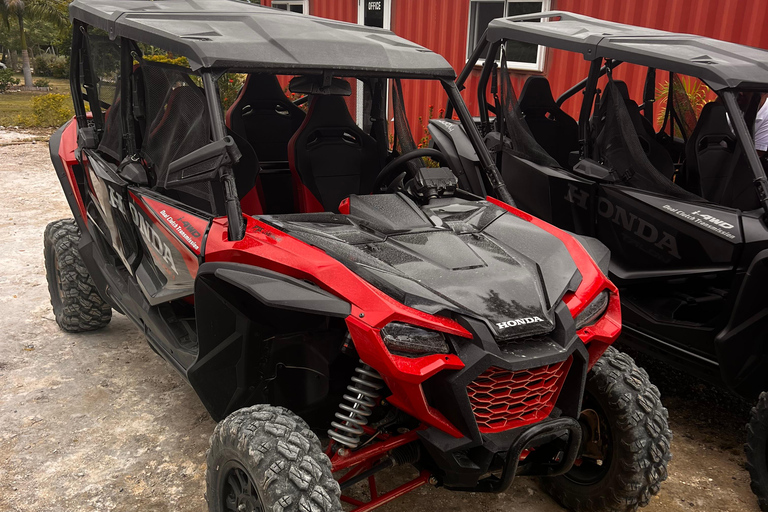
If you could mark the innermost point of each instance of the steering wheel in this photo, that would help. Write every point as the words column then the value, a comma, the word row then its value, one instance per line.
column 388, row 173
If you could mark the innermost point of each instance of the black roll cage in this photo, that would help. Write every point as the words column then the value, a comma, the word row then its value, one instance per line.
column 94, row 127
column 490, row 50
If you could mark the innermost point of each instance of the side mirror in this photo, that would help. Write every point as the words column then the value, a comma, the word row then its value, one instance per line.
column 202, row 164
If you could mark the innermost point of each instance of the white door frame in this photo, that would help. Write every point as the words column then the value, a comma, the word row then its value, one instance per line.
column 361, row 21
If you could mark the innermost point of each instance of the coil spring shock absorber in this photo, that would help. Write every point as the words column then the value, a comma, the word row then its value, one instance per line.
column 357, row 406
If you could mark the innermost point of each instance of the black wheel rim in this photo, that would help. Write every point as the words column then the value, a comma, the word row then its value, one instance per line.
column 591, row 471
column 54, row 279
column 57, row 274
column 765, row 460
column 238, row 494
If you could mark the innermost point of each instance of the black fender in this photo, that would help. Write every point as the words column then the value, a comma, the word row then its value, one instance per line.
column 742, row 346
column 596, row 249
column 54, row 144
column 253, row 330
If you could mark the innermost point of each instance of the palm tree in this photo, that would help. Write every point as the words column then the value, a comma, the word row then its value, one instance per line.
column 49, row 10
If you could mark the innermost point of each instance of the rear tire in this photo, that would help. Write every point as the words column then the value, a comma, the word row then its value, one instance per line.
column 77, row 305
column 634, row 442
column 756, row 450
column 266, row 458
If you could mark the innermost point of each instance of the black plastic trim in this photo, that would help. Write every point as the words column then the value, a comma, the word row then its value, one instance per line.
column 278, row 290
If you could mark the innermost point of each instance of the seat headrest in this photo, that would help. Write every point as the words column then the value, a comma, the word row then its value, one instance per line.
column 328, row 111
column 258, row 86
column 713, row 119
column 537, row 96
column 622, row 88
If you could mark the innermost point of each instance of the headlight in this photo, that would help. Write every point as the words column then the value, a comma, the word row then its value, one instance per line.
column 593, row 311
column 411, row 341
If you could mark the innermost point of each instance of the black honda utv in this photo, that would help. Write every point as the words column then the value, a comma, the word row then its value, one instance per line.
column 306, row 276
column 681, row 208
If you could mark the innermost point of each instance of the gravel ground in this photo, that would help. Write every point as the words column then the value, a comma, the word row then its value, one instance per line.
column 99, row 422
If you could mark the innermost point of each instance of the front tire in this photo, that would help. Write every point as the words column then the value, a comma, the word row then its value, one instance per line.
column 77, row 305
column 627, row 447
column 757, row 450
column 266, row 458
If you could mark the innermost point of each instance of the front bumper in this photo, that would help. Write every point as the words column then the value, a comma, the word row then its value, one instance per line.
column 488, row 446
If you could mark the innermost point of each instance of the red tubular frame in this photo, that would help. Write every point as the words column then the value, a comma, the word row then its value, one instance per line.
column 373, row 452
column 364, row 459
column 377, row 501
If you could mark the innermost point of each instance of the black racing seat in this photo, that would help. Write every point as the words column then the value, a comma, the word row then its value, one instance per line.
column 715, row 166
column 656, row 153
column 618, row 146
column 330, row 156
column 634, row 108
column 553, row 129
column 265, row 117
column 180, row 126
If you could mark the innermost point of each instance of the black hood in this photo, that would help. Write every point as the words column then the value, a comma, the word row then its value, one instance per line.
column 470, row 257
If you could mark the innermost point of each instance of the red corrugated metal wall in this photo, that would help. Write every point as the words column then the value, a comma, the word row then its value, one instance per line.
column 441, row 25
column 342, row 10
column 739, row 21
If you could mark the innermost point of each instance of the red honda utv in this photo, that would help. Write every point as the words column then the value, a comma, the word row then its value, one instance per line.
column 307, row 276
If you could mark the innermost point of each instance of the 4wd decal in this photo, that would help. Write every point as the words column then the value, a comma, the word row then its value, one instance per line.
column 518, row 321
column 188, row 228
column 719, row 226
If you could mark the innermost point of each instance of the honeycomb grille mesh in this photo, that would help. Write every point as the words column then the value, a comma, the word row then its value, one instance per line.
column 502, row 399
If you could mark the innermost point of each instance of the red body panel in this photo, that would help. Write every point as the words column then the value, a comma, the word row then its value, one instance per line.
column 67, row 147
column 153, row 210
column 186, row 228
column 266, row 247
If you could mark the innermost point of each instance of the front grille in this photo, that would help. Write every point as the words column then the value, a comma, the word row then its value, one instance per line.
column 502, row 399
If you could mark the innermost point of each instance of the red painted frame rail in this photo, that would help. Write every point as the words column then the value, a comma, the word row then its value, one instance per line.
column 364, row 459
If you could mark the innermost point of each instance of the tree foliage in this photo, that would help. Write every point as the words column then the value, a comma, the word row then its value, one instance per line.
column 23, row 11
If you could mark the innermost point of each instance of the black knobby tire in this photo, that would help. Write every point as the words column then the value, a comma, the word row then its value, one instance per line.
column 757, row 450
column 638, row 439
column 77, row 305
column 272, row 452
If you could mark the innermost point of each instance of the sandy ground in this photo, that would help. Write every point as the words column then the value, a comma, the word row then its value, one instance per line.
column 99, row 422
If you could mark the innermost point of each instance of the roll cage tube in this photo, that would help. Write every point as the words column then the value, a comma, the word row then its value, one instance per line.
column 486, row 161
column 581, row 85
column 745, row 139
column 236, row 223
column 471, row 61
column 91, row 82
column 482, row 85
column 75, row 87
column 595, row 72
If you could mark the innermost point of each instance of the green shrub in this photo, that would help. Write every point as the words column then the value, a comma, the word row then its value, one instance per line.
column 43, row 63
column 229, row 88
column 60, row 67
column 42, row 82
column 168, row 59
column 7, row 80
column 48, row 64
column 51, row 109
